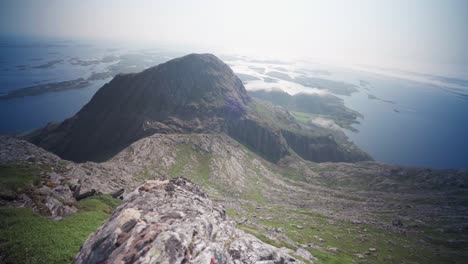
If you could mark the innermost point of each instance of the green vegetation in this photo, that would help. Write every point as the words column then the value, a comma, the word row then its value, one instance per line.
column 285, row 224
column 304, row 106
column 302, row 117
column 264, row 111
column 191, row 163
column 26, row 237
column 16, row 177
column 143, row 175
column 194, row 164
column 293, row 174
column 336, row 241
column 272, row 116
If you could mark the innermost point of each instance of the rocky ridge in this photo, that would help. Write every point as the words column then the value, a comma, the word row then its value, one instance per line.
column 173, row 221
column 52, row 194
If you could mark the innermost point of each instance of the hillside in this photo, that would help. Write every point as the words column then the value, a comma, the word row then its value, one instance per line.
column 336, row 212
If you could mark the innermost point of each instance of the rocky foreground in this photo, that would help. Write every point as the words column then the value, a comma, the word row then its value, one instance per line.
column 173, row 221
column 162, row 221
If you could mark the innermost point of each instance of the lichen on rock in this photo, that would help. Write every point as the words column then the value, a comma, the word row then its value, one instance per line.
column 173, row 221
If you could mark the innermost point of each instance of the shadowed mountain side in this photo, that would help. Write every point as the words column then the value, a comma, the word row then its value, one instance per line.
column 190, row 94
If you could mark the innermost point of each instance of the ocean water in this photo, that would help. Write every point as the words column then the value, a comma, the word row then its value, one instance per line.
column 413, row 120
column 23, row 63
column 20, row 115
column 408, row 121
column 23, row 60
column 423, row 126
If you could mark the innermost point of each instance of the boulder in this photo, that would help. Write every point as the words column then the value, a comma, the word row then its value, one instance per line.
column 173, row 221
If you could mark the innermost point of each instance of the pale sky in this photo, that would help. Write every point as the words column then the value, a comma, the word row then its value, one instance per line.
column 421, row 35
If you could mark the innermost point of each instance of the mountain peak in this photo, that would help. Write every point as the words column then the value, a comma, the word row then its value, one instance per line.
column 193, row 63
column 196, row 85
column 199, row 58
column 194, row 93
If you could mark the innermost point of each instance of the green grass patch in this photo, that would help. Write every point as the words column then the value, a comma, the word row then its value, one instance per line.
column 26, row 237
column 293, row 174
column 184, row 152
column 143, row 175
column 302, row 117
column 14, row 178
column 350, row 239
column 193, row 164
column 278, row 244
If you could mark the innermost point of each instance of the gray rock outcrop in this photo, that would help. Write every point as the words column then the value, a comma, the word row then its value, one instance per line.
column 173, row 221
column 50, row 195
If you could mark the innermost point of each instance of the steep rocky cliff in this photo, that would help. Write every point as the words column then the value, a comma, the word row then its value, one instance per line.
column 322, row 148
column 262, row 138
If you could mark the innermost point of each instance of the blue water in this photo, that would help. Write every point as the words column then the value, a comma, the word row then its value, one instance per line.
column 426, row 125
column 15, row 53
column 21, row 115
column 18, row 59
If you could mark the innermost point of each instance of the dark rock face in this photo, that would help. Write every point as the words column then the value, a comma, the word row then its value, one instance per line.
column 322, row 148
column 185, row 95
column 173, row 221
column 264, row 140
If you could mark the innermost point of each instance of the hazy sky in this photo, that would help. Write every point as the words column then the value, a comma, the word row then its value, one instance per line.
column 421, row 35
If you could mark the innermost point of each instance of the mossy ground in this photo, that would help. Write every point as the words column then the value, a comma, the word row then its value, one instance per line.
column 191, row 163
column 350, row 239
column 302, row 117
column 26, row 237
column 195, row 165
column 306, row 119
column 14, row 178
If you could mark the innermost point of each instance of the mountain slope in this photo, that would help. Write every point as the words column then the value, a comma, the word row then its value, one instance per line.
column 190, row 94
column 334, row 211
column 196, row 93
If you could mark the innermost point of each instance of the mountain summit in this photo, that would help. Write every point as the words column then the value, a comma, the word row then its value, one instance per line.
column 193, row 93
column 197, row 93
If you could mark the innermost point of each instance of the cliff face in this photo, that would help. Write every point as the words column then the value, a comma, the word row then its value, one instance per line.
column 196, row 93
column 266, row 141
column 322, row 148
column 187, row 227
